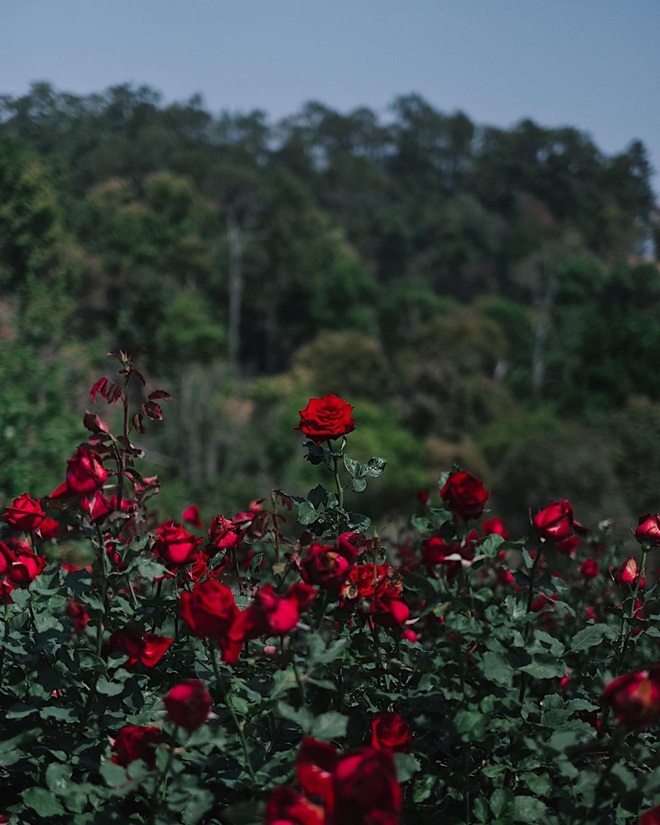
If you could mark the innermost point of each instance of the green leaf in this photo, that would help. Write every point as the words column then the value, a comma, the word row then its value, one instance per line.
column 114, row 775
column 199, row 803
column 301, row 716
column 471, row 724
column 406, row 766
column 421, row 523
column 307, row 514
column 490, row 546
column 330, row 725
column 496, row 669
column 590, row 636
column 375, row 467
column 107, row 688
column 44, row 802
column 58, row 777
column 545, row 669
column 359, row 484
column 353, row 467
column 528, row 809
column 499, row 801
column 317, row 496
column 148, row 568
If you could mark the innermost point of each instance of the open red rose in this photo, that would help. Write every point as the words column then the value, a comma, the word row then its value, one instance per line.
column 174, row 544
column 326, row 418
column 19, row 563
column 148, row 649
column 390, row 731
column 465, row 495
column 365, row 788
column 648, row 531
column 188, row 704
column 635, row 698
column 555, row 521
column 209, row 609
column 136, row 742
column 327, row 566
column 24, row 513
column 287, row 806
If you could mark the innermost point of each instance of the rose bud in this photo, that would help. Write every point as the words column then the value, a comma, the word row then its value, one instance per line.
column 635, row 698
column 494, row 526
column 627, row 574
column 465, row 495
column 24, row 513
column 648, row 531
column 192, row 516
column 390, row 731
column 326, row 418
column 188, row 704
column 555, row 521
column 136, row 742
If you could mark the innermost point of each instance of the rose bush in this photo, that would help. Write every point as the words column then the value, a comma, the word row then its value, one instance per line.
column 289, row 664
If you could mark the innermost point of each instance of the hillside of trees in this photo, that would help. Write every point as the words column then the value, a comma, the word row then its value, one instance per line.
column 481, row 295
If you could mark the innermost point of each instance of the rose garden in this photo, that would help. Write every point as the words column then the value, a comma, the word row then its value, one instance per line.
column 293, row 664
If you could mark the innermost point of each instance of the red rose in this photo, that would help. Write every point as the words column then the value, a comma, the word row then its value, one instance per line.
column 209, row 609
column 49, row 528
column 494, row 526
column 174, row 544
column 23, row 565
column 651, row 817
column 326, row 418
column 465, row 495
column 24, row 513
column 223, row 533
column 648, row 531
column 271, row 614
column 635, row 698
column 365, row 789
column 328, row 566
column 77, row 613
column 555, row 521
column 627, row 574
column 589, row 568
column 315, row 763
column 192, row 516
column 390, row 731
column 85, row 472
column 148, row 649
column 287, row 806
column 136, row 742
column 188, row 704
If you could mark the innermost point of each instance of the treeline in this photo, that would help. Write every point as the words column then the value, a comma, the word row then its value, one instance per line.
column 482, row 294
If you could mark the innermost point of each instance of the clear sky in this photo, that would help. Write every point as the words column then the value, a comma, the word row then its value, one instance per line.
column 593, row 64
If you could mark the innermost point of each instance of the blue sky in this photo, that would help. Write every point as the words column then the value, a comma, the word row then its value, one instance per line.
column 593, row 64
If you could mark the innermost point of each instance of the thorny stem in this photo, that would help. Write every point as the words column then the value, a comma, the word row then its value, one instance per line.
column 338, row 485
column 626, row 621
column 155, row 801
column 528, row 626
column 230, row 708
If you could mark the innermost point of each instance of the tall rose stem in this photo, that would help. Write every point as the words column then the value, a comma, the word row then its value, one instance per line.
column 155, row 801
column 225, row 697
column 340, row 489
column 528, row 626
column 626, row 621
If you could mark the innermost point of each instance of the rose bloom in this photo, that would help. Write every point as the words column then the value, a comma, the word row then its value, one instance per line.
column 555, row 521
column 148, row 649
column 648, row 531
column 192, row 516
column 589, row 568
column 19, row 563
column 223, row 533
column 77, row 613
column 627, row 574
column 365, row 789
column 635, row 698
column 174, row 544
column 390, row 731
column 188, row 704
column 494, row 526
column 326, row 418
column 327, row 566
column 651, row 817
column 287, row 806
column 465, row 495
column 272, row 614
column 136, row 742
column 209, row 609
column 24, row 513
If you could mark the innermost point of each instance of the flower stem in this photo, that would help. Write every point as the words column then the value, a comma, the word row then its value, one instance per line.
column 155, row 801
column 626, row 621
column 338, row 485
column 528, row 626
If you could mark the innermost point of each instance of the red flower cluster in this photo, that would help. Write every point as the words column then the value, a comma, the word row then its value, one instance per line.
column 355, row 788
column 326, row 418
column 327, row 566
column 19, row 565
column 465, row 495
column 373, row 590
column 635, row 698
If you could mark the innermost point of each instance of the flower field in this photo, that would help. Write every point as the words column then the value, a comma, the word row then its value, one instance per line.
column 293, row 664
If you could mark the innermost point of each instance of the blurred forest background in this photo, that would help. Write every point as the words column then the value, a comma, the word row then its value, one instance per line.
column 481, row 295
